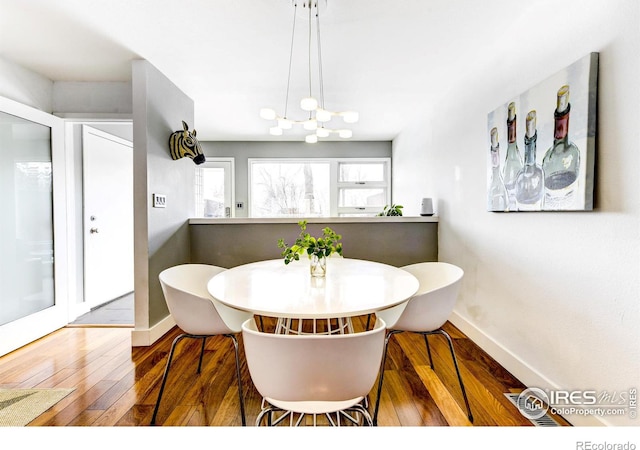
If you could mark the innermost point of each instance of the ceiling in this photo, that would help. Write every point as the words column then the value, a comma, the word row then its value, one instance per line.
column 390, row 60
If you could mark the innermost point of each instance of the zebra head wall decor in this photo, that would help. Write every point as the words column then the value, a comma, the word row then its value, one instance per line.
column 184, row 143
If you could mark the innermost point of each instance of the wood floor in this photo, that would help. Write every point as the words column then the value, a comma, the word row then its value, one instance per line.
column 117, row 385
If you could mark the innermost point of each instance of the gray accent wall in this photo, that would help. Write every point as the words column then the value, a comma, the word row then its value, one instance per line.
column 160, row 234
column 243, row 151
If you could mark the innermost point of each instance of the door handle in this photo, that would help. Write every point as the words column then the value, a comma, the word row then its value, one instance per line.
column 93, row 230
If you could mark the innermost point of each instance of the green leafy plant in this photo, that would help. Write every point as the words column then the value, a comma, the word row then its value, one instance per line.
column 323, row 245
column 391, row 210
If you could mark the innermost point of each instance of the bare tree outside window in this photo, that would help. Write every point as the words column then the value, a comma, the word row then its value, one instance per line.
column 289, row 189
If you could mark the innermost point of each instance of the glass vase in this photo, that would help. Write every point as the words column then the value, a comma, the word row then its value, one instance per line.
column 318, row 265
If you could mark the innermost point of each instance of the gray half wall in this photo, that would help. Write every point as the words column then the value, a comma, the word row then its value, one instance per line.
column 394, row 242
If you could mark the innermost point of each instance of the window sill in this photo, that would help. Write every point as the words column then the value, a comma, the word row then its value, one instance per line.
column 257, row 220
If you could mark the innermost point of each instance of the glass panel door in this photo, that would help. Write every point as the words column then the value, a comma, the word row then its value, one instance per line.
column 27, row 263
column 26, row 226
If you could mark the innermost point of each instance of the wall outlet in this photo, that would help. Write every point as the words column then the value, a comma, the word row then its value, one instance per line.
column 239, row 205
column 159, row 201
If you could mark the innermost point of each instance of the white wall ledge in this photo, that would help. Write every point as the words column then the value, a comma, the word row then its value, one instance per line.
column 257, row 220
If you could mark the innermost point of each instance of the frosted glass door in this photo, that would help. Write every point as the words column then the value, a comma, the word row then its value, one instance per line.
column 34, row 295
column 26, row 222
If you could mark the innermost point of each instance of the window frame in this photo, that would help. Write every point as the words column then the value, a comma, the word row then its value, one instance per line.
column 355, row 185
column 335, row 186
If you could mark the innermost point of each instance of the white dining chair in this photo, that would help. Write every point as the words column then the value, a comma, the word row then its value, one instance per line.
column 198, row 315
column 425, row 313
column 313, row 374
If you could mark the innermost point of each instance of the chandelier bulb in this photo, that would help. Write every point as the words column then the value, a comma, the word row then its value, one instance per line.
column 322, row 115
column 311, row 139
column 322, row 132
column 350, row 116
column 275, row 131
column 310, row 124
column 345, row 134
column 309, row 103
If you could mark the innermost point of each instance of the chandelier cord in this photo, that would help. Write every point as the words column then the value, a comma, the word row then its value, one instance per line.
column 310, row 2
column 320, row 78
column 293, row 34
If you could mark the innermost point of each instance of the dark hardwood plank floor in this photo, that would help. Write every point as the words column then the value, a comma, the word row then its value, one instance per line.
column 117, row 385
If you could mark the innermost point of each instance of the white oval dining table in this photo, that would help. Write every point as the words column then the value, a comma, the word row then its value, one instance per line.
column 351, row 287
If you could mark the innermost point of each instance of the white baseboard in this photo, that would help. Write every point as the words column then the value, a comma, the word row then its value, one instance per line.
column 146, row 337
column 528, row 375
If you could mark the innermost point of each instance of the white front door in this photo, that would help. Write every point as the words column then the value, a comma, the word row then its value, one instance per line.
column 33, row 226
column 107, row 216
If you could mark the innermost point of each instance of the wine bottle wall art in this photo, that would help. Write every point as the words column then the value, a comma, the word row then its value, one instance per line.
column 541, row 145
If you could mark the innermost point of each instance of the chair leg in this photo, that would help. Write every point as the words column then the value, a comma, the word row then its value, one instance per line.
column 240, row 394
column 164, row 377
column 455, row 363
column 384, row 359
column 204, row 339
column 426, row 342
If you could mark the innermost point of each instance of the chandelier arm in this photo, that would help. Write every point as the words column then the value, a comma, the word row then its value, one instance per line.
column 293, row 34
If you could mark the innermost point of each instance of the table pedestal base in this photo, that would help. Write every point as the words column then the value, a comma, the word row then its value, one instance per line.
column 341, row 325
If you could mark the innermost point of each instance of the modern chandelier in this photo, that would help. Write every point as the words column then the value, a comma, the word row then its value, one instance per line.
column 316, row 122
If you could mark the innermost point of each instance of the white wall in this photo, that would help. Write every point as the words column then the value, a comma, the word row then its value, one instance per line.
column 25, row 86
column 552, row 296
column 64, row 98
column 105, row 97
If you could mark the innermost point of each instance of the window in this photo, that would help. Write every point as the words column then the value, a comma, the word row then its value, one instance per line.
column 318, row 187
column 214, row 188
column 363, row 187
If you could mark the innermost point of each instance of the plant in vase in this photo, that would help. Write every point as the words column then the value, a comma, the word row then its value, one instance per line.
column 391, row 210
column 318, row 248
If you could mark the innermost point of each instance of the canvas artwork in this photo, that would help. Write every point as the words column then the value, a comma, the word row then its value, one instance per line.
column 542, row 144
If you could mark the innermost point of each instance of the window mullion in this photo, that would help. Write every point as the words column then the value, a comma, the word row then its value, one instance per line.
column 334, row 191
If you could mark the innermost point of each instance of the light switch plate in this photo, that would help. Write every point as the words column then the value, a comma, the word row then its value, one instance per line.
column 159, row 201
